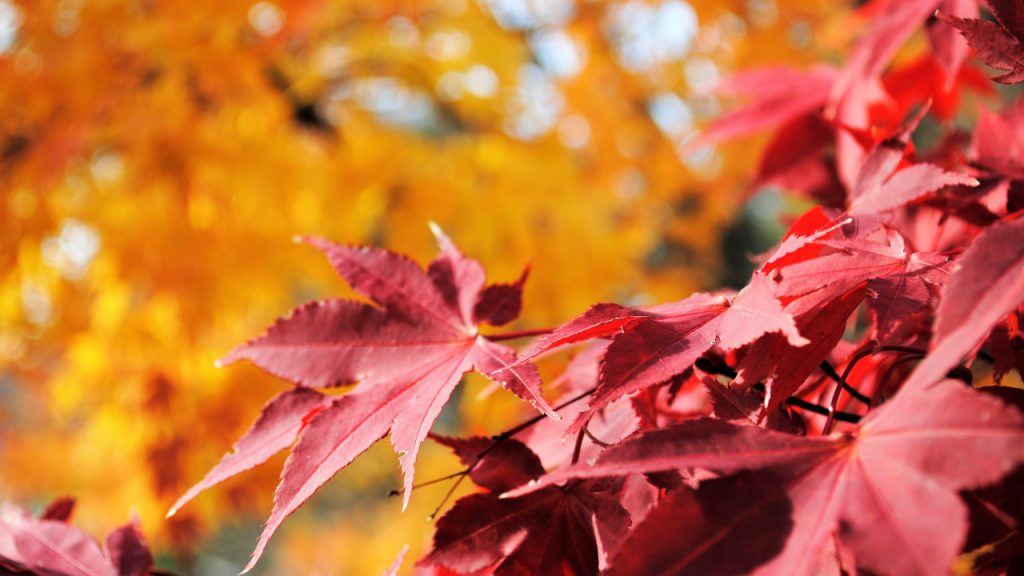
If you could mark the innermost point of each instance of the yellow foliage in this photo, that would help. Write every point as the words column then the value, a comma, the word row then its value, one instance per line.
column 156, row 157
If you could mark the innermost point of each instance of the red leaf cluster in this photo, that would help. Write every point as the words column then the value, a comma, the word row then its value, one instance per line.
column 822, row 419
column 50, row 546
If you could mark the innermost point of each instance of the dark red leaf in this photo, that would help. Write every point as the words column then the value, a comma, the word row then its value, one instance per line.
column 59, row 510
column 995, row 44
column 128, row 551
column 507, row 464
column 727, row 526
column 551, row 531
column 784, row 368
column 499, row 304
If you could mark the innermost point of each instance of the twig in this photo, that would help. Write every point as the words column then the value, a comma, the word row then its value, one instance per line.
column 812, row 407
column 870, row 350
column 831, row 373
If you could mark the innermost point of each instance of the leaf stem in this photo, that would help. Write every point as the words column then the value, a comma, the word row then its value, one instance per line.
column 518, row 334
column 430, row 482
column 595, row 439
column 889, row 372
column 448, row 495
column 497, row 440
column 579, row 446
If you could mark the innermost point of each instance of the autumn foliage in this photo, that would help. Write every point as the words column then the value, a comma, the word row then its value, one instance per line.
column 854, row 408
column 913, row 266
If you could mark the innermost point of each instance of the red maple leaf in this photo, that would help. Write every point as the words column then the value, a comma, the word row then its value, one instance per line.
column 407, row 350
column 652, row 345
column 986, row 287
column 949, row 48
column 775, row 96
column 887, row 492
column 552, row 531
column 998, row 44
column 881, row 185
column 49, row 546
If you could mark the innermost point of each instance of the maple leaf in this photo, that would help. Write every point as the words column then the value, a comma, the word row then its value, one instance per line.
column 880, row 186
column 128, row 550
column 274, row 430
column 551, row 531
column 852, row 262
column 987, row 285
column 795, row 159
column 651, row 345
column 408, row 350
column 998, row 44
column 888, row 491
column 777, row 95
column 496, row 465
column 949, row 47
column 51, row 547
column 727, row 526
column 894, row 22
column 782, row 367
column 998, row 141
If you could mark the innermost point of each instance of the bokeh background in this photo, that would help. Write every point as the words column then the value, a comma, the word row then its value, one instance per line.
column 156, row 158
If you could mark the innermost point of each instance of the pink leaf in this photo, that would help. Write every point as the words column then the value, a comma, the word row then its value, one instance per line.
column 987, row 285
column 275, row 429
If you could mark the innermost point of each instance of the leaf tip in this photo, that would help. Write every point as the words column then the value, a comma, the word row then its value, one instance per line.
column 435, row 229
column 443, row 241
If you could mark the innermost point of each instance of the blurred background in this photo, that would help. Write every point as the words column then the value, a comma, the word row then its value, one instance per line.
column 156, row 157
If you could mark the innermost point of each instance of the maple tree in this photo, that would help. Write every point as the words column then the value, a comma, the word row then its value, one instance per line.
column 833, row 415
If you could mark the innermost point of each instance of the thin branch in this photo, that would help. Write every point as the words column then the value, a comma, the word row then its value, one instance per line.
column 860, row 355
column 831, row 373
column 812, row 407
column 525, row 425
